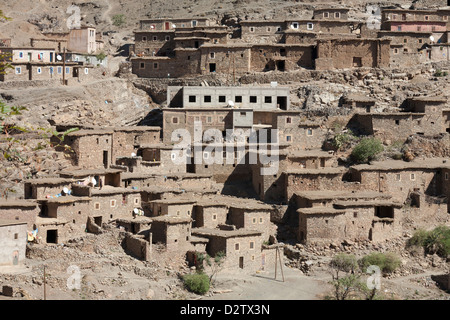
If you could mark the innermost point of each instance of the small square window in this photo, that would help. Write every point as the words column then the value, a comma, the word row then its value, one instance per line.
column 97, row 206
column 214, row 217
column 236, row 246
column 413, row 176
column 113, row 203
column 309, row 26
column 209, row 119
column 222, row 98
column 175, row 120
column 142, row 65
column 288, row 138
column 212, row 55
column 252, row 245
column 337, row 14
column 252, row 29
column 268, row 99
column 398, row 177
column 253, row 99
column 155, row 38
column 295, row 25
column 16, row 236
column 18, row 70
column 397, row 122
column 155, row 65
column 238, row 99
column 207, row 99
column 288, row 120
column 192, row 98
column 309, row 132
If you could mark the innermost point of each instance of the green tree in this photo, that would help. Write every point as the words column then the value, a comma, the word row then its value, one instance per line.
column 214, row 264
column 387, row 262
column 197, row 282
column 366, row 150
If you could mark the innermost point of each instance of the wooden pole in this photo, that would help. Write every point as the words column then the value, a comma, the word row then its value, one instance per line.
column 281, row 265
column 45, row 286
column 276, row 263
column 64, row 67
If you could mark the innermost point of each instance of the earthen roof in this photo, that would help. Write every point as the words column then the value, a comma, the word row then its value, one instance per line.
column 331, row 194
column 309, row 154
column 320, row 211
column 106, row 190
column 18, row 203
column 224, row 233
column 89, row 172
column 4, row 222
column 417, row 164
column 171, row 219
column 54, row 181
column 66, row 199
column 322, row 171
column 365, row 203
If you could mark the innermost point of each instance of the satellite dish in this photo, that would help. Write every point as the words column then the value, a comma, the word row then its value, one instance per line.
column 174, row 26
column 136, row 210
column 65, row 190
column 58, row 57
column 431, row 38
column 133, row 154
column 230, row 103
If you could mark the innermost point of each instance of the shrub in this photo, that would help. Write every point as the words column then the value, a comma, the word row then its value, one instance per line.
column 197, row 283
column 366, row 150
column 387, row 262
column 344, row 262
column 434, row 241
column 342, row 139
column 118, row 20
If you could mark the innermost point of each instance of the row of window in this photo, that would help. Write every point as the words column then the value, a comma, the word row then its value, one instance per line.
column 419, row 28
column 113, row 203
column 425, row 18
column 412, row 176
column 155, row 38
column 59, row 70
column 237, row 246
column 223, row 99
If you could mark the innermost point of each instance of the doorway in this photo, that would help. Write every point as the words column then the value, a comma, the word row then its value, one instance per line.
column 52, row 236
column 167, row 25
column 98, row 221
column 357, row 62
column 281, row 65
column 212, row 67
column 282, row 103
column 105, row 159
column 15, row 258
column 241, row 262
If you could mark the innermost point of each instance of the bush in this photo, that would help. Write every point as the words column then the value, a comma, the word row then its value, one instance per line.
column 344, row 262
column 387, row 262
column 342, row 139
column 118, row 20
column 197, row 283
column 366, row 150
column 434, row 241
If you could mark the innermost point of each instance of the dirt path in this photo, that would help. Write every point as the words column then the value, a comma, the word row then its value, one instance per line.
column 296, row 286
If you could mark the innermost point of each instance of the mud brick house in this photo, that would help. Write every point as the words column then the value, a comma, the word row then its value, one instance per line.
column 351, row 53
column 173, row 23
column 282, row 57
column 86, row 177
column 62, row 218
column 45, row 187
column 262, row 31
column 415, row 20
column 400, row 178
column 171, row 207
column 252, row 216
column 20, row 211
column 173, row 231
column 355, row 220
column 358, row 103
column 298, row 180
column 13, row 237
column 242, row 248
column 421, row 115
column 209, row 214
column 326, row 198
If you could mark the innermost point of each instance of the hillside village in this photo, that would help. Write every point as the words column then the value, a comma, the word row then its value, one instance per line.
column 233, row 156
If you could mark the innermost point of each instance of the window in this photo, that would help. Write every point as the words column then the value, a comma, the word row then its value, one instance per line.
column 175, row 120
column 59, row 70
column 309, row 26
column 398, row 177
column 222, row 98
column 253, row 99
column 288, row 120
column 144, row 38
column 326, row 14
column 337, row 15
column 279, row 29
column 192, row 98
column 395, row 51
column 209, row 119
column 16, row 236
column 236, row 246
column 355, row 214
column 155, row 65
column 252, row 29
column 399, row 28
column 18, row 70
column 67, row 70
column 261, row 220
column 142, row 65
column 420, row 40
column 397, row 122
column 39, row 70
column 288, row 138
column 113, row 203
column 427, row 18
column 214, row 217
column 167, row 38
column 309, row 132
column 419, row 28
column 238, row 99
column 446, row 176
column 252, row 245
column 254, row 220
column 20, row 54
column 136, row 201
column 412, row 176
column 212, row 55
column 268, row 99
column 205, row 155
column 97, row 206
column 405, row 40
column 207, row 99
column 269, row 29
column 445, row 18
column 243, row 114
column 155, row 38
column 194, row 23
column 294, row 25
column 86, row 71
column 405, row 50
column 173, row 156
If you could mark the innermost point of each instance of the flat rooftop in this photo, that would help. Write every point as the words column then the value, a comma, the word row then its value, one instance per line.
column 206, row 232
column 417, row 164
column 331, row 194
